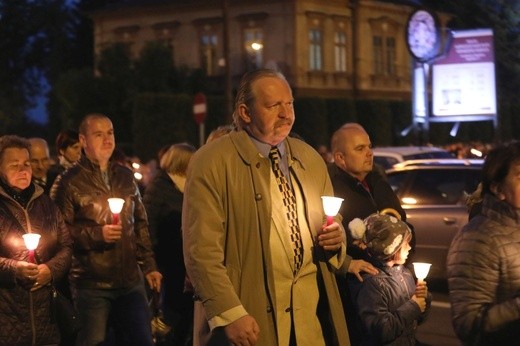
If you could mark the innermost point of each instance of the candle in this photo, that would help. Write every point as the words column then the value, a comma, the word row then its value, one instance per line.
column 421, row 270
column 116, row 205
column 31, row 241
column 331, row 207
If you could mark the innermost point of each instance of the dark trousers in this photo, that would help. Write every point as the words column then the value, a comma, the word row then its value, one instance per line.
column 128, row 312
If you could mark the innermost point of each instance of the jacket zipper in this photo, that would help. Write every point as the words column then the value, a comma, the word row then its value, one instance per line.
column 122, row 270
column 31, row 300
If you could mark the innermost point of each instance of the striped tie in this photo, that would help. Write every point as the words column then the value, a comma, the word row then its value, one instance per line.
column 290, row 204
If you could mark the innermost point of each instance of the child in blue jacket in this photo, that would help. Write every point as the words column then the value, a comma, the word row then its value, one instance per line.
column 391, row 304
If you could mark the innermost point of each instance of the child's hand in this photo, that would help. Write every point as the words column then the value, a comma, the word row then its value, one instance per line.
column 421, row 289
column 420, row 301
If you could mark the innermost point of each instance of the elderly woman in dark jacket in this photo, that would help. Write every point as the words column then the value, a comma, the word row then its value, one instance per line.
column 484, row 257
column 163, row 202
column 25, row 287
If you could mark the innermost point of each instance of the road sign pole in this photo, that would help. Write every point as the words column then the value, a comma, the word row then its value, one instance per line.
column 199, row 114
column 201, row 134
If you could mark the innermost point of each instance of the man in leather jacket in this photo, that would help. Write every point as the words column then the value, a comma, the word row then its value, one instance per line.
column 110, row 257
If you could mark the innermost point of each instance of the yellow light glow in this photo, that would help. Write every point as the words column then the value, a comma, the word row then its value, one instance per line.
column 421, row 270
column 409, row 200
column 31, row 240
column 138, row 176
column 331, row 205
column 476, row 152
column 116, row 204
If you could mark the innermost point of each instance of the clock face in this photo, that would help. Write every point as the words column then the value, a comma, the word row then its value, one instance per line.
column 422, row 35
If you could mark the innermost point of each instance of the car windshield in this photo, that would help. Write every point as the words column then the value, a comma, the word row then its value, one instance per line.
column 436, row 186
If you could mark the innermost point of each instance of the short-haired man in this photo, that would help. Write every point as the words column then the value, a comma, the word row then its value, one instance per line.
column 366, row 191
column 109, row 259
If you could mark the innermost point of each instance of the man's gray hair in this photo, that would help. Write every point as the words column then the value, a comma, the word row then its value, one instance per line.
column 245, row 93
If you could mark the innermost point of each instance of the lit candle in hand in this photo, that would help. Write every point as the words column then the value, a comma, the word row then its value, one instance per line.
column 31, row 241
column 331, row 207
column 421, row 270
column 116, row 205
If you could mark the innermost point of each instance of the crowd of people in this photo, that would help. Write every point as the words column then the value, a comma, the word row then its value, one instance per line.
column 234, row 241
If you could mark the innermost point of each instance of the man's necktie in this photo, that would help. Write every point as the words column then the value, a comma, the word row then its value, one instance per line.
column 289, row 200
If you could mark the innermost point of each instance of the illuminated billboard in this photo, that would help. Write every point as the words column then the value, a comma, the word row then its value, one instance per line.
column 463, row 82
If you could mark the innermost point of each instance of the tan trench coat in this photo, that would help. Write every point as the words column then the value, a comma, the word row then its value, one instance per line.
column 226, row 225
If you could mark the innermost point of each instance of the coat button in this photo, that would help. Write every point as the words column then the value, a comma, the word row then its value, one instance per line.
column 258, row 197
column 288, row 309
column 269, row 309
column 258, row 165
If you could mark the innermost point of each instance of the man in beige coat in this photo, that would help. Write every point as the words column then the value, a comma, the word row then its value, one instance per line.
column 237, row 246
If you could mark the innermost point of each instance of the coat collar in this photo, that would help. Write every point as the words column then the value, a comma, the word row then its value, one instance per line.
column 351, row 180
column 500, row 211
column 85, row 162
column 249, row 153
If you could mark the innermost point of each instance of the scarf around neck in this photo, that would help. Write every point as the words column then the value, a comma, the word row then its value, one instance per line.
column 21, row 196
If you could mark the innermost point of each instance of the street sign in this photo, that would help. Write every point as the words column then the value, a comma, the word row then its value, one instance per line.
column 199, row 108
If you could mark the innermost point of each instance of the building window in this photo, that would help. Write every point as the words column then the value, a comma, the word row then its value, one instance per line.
column 378, row 55
column 165, row 32
column 254, row 48
column 340, row 51
column 127, row 35
column 390, row 56
column 208, row 53
column 384, row 55
column 315, row 50
column 386, row 42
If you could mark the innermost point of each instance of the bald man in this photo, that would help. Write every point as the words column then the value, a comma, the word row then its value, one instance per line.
column 365, row 191
column 40, row 161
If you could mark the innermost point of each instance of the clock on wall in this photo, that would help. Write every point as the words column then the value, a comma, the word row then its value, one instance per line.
column 423, row 35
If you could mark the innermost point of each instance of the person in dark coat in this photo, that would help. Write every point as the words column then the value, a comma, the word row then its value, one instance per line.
column 365, row 191
column 390, row 305
column 163, row 202
column 68, row 149
column 25, row 281
column 40, row 162
column 483, row 260
column 112, row 255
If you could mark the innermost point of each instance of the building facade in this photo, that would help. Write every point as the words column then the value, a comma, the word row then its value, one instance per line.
column 333, row 48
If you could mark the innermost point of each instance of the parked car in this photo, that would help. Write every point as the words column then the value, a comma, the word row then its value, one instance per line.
column 434, row 162
column 433, row 194
column 389, row 156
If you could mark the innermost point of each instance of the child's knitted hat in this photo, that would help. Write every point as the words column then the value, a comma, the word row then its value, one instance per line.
column 382, row 234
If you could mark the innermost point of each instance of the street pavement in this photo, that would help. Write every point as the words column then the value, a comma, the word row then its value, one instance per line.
column 437, row 330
